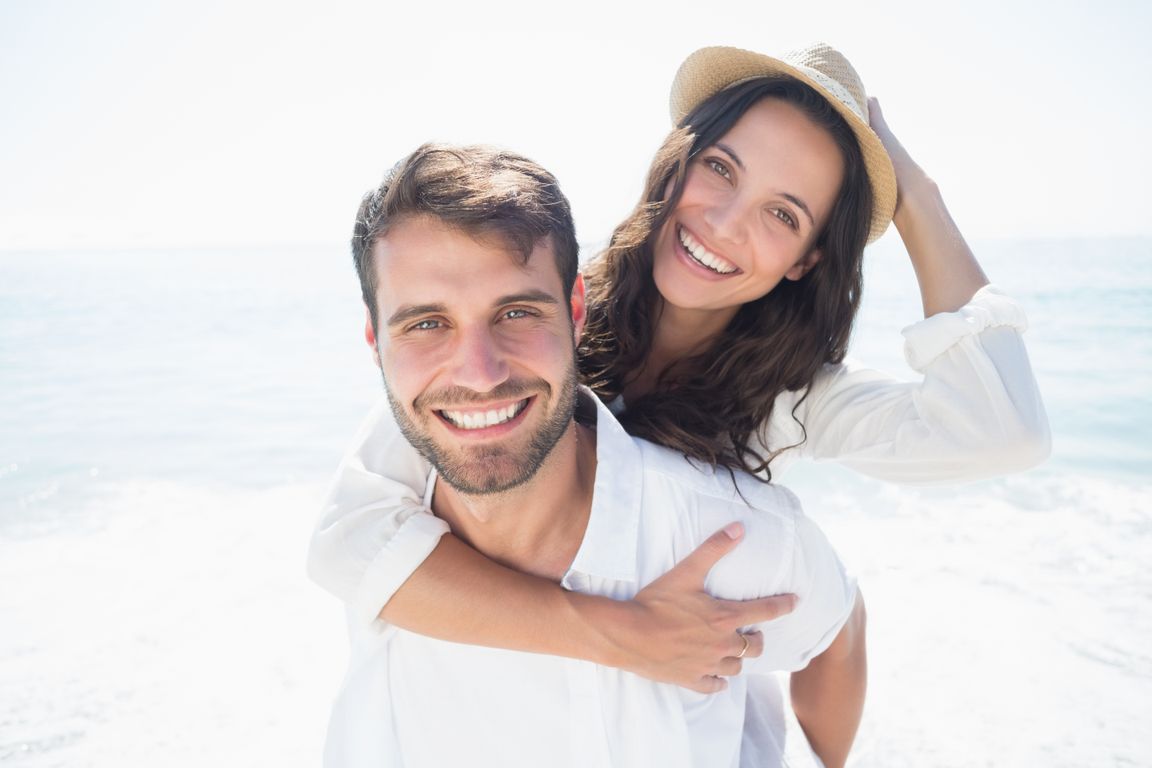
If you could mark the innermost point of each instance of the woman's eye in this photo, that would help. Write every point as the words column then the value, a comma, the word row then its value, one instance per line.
column 785, row 217
column 719, row 168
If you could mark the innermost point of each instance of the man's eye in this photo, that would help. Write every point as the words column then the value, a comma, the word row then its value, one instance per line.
column 425, row 325
column 516, row 314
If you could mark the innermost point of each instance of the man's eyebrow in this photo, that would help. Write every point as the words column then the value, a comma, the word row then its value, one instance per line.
column 412, row 311
column 787, row 196
column 528, row 297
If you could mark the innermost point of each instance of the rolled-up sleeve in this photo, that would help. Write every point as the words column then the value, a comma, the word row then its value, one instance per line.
column 374, row 530
column 976, row 413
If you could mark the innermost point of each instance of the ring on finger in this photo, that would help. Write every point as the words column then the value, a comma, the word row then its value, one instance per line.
column 743, row 650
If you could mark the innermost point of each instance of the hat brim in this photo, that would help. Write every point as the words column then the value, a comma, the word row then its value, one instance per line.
column 710, row 70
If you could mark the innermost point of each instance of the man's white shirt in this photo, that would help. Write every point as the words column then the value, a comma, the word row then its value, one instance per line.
column 413, row 701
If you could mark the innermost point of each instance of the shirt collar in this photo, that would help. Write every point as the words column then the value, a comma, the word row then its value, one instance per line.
column 610, row 541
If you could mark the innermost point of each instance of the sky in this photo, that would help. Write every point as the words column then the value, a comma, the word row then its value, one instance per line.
column 134, row 123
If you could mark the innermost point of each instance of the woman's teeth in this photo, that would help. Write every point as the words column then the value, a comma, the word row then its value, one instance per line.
column 705, row 257
column 482, row 419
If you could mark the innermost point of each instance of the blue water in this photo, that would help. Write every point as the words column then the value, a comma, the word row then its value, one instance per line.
column 249, row 368
column 1089, row 304
column 221, row 369
column 184, row 396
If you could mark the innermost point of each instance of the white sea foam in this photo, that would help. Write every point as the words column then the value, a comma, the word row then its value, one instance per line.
column 181, row 633
column 1007, row 625
column 1008, row 622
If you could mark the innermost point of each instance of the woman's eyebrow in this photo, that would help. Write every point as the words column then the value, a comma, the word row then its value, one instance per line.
column 731, row 154
column 799, row 204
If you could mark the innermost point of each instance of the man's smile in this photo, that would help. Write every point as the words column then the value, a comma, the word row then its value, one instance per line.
column 481, row 418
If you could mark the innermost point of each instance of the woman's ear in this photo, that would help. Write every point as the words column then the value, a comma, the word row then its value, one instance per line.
column 800, row 268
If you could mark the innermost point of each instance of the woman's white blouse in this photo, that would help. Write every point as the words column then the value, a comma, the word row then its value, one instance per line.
column 976, row 413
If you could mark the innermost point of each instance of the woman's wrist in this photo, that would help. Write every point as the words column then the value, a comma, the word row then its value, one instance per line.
column 600, row 629
column 919, row 199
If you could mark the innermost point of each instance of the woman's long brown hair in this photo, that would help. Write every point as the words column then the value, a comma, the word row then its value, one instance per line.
column 710, row 406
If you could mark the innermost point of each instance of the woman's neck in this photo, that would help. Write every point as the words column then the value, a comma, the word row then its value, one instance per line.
column 678, row 334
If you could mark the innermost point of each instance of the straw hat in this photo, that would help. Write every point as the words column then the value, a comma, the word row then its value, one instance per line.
column 710, row 70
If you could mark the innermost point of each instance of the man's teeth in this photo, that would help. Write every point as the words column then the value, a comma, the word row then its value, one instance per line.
column 482, row 419
column 704, row 256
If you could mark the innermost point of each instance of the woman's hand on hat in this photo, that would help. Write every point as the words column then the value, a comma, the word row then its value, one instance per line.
column 946, row 270
column 909, row 175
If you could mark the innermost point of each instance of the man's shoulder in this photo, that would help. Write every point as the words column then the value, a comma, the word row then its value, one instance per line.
column 697, row 482
column 687, row 501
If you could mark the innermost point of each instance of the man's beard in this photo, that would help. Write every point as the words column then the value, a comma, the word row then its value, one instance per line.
column 489, row 469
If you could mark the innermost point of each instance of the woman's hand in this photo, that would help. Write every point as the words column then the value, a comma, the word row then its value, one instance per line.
column 673, row 631
column 910, row 177
column 948, row 273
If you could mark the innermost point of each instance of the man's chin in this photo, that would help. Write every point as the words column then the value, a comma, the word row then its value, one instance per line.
column 484, row 477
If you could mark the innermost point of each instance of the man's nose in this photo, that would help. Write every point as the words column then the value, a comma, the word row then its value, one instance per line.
column 480, row 361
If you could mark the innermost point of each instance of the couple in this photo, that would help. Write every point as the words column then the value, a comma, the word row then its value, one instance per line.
column 720, row 313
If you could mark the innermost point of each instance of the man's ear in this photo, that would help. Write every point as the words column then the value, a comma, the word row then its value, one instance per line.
column 800, row 268
column 579, row 308
column 370, row 336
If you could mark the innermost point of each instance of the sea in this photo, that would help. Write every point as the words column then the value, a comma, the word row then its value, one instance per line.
column 169, row 420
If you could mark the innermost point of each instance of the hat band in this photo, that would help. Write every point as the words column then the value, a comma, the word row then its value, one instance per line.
column 835, row 89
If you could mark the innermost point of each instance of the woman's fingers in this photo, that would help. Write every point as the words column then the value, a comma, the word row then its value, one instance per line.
column 743, row 613
column 679, row 633
column 693, row 569
column 909, row 175
column 754, row 647
column 729, row 667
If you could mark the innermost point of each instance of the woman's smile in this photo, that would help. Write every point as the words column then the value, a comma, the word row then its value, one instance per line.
column 705, row 257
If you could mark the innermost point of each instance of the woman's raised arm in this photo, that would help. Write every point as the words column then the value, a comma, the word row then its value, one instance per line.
column 976, row 413
column 946, row 269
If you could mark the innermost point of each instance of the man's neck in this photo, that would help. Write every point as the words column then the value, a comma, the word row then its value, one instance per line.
column 536, row 527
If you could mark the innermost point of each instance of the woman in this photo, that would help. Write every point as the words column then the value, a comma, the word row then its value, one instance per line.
column 720, row 315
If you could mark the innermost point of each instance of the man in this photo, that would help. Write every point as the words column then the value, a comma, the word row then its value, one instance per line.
column 475, row 310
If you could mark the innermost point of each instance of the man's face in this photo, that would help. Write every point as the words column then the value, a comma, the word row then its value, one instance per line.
column 477, row 351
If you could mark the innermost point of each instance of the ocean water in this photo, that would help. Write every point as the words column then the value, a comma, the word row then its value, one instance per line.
column 168, row 421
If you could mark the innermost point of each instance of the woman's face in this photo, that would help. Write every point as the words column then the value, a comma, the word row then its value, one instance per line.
column 752, row 206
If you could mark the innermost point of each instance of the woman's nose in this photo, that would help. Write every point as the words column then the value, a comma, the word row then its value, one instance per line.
column 727, row 219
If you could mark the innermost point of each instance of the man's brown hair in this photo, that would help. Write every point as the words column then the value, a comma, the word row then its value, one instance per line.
column 483, row 191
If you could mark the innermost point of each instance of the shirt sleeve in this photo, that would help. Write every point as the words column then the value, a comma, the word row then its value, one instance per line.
column 976, row 413
column 825, row 596
column 374, row 529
